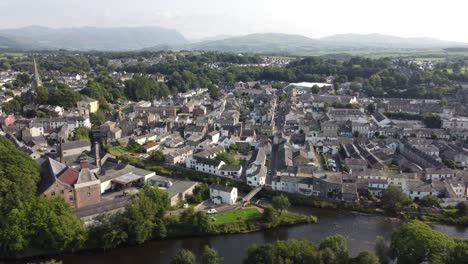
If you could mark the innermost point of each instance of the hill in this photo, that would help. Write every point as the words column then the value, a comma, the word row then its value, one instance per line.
column 379, row 41
column 265, row 43
column 90, row 38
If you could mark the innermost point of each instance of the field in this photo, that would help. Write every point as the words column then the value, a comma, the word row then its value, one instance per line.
column 462, row 70
column 14, row 55
column 375, row 54
column 232, row 216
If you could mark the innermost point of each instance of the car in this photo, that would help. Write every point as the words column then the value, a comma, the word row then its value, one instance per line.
column 212, row 211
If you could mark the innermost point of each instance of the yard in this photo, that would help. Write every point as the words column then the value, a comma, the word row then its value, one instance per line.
column 117, row 151
column 236, row 215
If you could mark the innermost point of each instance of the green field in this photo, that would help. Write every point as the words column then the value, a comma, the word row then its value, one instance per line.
column 462, row 70
column 14, row 55
column 375, row 54
column 237, row 215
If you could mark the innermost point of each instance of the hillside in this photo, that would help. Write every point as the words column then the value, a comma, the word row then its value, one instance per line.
column 265, row 43
column 384, row 42
column 90, row 38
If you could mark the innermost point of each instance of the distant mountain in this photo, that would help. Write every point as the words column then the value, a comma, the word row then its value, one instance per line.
column 91, row 38
column 157, row 38
column 265, row 43
column 384, row 42
column 287, row 43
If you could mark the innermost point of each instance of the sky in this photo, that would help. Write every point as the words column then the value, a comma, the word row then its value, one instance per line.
column 197, row 19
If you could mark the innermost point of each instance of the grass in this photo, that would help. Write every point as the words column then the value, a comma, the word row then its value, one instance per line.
column 237, row 215
column 14, row 55
column 118, row 151
column 391, row 168
column 462, row 70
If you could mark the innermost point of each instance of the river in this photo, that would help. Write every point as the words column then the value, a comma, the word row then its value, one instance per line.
column 359, row 229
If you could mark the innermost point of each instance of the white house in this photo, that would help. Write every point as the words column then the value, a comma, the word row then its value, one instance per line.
column 220, row 194
column 202, row 164
column 234, row 171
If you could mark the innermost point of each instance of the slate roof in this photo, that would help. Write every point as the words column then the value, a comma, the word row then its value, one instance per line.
column 207, row 161
column 221, row 188
column 76, row 144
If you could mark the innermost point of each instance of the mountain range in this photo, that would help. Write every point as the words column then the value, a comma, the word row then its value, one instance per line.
column 157, row 38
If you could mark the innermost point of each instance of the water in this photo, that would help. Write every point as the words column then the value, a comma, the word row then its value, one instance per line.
column 359, row 229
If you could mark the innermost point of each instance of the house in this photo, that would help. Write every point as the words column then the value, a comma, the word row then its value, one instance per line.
column 220, row 194
column 72, row 149
column 257, row 171
column 90, row 104
column 150, row 147
column 7, row 120
column 177, row 190
column 179, row 155
column 438, row 173
column 455, row 123
column 234, row 171
column 206, row 165
column 192, row 130
column 380, row 119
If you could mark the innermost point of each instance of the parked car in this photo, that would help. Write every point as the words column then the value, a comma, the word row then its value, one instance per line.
column 212, row 211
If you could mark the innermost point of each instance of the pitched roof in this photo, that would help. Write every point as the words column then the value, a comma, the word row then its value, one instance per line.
column 69, row 176
column 221, row 188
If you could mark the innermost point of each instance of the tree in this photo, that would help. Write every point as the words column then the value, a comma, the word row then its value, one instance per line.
column 382, row 250
column 289, row 251
column 41, row 114
column 337, row 244
column 462, row 208
column 139, row 218
column 98, row 118
column 42, row 95
column 31, row 222
column 432, row 121
column 416, row 242
column 184, row 256
column 430, row 201
column 371, row 108
column 157, row 156
column 280, row 202
column 64, row 96
column 366, row 257
column 228, row 158
column 393, row 199
column 81, row 133
column 460, row 252
column 210, row 256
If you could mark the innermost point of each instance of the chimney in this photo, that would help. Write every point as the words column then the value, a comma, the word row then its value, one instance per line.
column 84, row 164
column 62, row 159
column 97, row 154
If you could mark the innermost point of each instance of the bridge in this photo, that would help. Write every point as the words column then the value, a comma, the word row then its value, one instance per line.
column 251, row 194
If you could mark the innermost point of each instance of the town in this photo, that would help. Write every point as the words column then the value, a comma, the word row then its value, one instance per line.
column 100, row 138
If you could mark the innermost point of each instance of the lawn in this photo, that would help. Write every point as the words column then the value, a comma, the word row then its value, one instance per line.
column 391, row 168
column 117, row 151
column 232, row 216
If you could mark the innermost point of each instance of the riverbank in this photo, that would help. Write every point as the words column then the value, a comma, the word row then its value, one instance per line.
column 268, row 219
column 360, row 230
